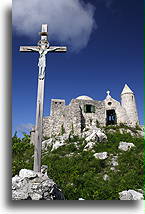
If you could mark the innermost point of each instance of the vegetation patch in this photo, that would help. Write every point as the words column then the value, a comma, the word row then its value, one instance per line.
column 79, row 174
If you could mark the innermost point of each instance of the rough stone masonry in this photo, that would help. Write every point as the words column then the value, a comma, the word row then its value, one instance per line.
column 83, row 112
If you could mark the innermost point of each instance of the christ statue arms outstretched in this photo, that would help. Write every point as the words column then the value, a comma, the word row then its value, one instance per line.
column 42, row 63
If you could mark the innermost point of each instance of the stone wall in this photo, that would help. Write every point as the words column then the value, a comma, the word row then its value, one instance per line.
column 63, row 119
column 91, row 119
column 72, row 118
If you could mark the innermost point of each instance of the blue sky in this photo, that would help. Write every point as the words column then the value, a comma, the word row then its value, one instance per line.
column 111, row 57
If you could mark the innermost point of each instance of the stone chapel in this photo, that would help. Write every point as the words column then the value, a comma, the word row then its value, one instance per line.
column 85, row 112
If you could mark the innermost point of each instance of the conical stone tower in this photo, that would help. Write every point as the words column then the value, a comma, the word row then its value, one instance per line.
column 128, row 102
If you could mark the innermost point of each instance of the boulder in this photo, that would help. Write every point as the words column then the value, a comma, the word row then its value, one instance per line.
column 56, row 145
column 125, row 146
column 25, row 173
column 101, row 135
column 89, row 146
column 95, row 134
column 131, row 195
column 105, row 177
column 101, row 155
column 64, row 137
column 30, row 185
column 92, row 136
column 47, row 143
column 141, row 133
column 20, row 188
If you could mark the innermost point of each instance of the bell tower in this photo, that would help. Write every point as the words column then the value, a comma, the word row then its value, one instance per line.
column 129, row 104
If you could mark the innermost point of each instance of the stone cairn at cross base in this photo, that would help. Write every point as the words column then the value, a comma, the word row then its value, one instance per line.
column 30, row 185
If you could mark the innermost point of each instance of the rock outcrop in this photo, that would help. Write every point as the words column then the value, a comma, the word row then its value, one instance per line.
column 101, row 155
column 125, row 146
column 105, row 177
column 30, row 185
column 89, row 146
column 95, row 134
column 130, row 195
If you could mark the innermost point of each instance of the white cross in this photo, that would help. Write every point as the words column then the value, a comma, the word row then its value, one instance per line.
column 108, row 94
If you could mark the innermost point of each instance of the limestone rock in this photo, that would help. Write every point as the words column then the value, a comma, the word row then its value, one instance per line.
column 114, row 161
column 112, row 168
column 130, row 195
column 125, row 146
column 44, row 169
column 101, row 155
column 92, row 136
column 56, row 145
column 105, row 177
column 47, row 143
column 101, row 135
column 89, row 146
column 95, row 134
column 30, row 185
column 20, row 184
column 16, row 182
column 63, row 137
column 140, row 190
column 141, row 133
column 25, row 173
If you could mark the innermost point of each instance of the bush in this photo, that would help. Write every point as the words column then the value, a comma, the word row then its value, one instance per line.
column 22, row 152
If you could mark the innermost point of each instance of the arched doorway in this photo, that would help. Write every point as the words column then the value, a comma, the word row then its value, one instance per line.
column 111, row 118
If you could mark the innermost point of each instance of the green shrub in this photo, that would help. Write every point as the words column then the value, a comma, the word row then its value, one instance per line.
column 22, row 153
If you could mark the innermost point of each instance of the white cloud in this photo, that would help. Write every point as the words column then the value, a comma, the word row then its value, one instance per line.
column 69, row 21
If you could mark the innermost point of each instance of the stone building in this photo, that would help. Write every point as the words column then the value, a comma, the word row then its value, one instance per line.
column 84, row 112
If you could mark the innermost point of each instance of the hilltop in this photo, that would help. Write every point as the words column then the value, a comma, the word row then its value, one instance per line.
column 97, row 165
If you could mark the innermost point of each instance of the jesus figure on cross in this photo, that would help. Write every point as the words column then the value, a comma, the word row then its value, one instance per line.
column 42, row 63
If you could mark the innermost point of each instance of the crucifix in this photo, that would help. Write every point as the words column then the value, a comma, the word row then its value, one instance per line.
column 42, row 48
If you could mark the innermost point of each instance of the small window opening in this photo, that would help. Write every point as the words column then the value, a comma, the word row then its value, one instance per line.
column 58, row 102
column 89, row 108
